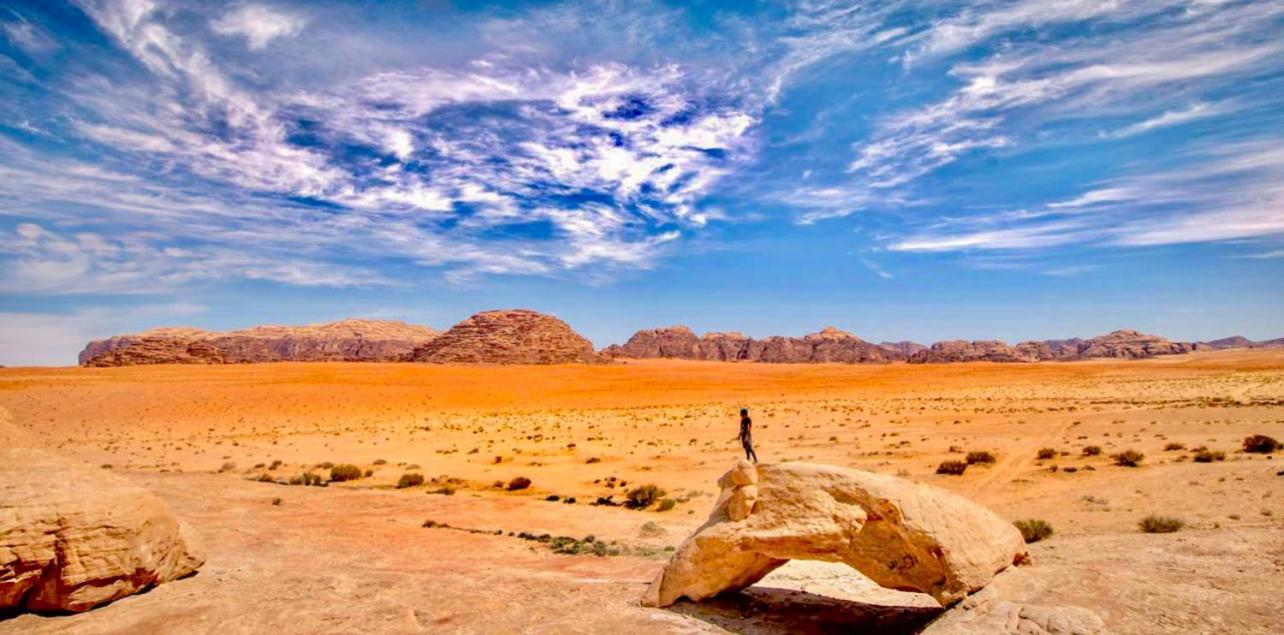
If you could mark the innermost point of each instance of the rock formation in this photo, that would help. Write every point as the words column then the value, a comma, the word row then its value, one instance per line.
column 73, row 537
column 1238, row 341
column 678, row 342
column 899, row 534
column 514, row 336
column 1125, row 344
column 904, row 348
column 346, row 340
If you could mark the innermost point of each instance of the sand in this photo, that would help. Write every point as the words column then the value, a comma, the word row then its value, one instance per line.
column 355, row 556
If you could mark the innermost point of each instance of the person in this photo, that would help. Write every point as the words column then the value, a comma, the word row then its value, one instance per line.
column 746, row 435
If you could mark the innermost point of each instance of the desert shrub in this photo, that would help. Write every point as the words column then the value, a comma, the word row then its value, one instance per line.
column 1092, row 450
column 1033, row 530
column 325, row 466
column 227, row 467
column 552, row 498
column 380, row 462
column 666, row 505
column 951, row 467
column 1128, row 458
column 979, row 457
column 410, row 479
column 1260, row 444
column 593, row 459
column 266, row 478
column 1208, row 456
column 276, row 501
column 345, row 472
column 642, row 496
column 368, row 473
column 1173, row 447
column 518, row 483
column 1047, row 453
column 432, row 524
column 1160, row 524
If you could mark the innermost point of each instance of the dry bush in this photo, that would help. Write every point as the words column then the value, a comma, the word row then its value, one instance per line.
column 410, row 479
column 1173, row 447
column 345, row 472
column 666, row 505
column 1033, row 530
column 518, row 483
column 1160, row 524
column 1092, row 450
column 1047, row 453
column 1128, row 458
column 979, row 457
column 1260, row 444
column 953, row 468
column 1208, row 456
column 642, row 497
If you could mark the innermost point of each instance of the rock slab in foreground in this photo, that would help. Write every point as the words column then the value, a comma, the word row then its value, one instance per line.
column 513, row 336
column 900, row 534
column 73, row 537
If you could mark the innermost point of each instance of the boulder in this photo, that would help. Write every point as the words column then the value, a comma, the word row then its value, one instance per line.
column 513, row 336
column 73, row 537
column 900, row 534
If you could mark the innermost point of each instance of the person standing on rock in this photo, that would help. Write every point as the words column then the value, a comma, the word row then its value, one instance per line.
column 746, row 435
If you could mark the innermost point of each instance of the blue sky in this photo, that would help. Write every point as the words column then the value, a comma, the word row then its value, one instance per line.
column 904, row 170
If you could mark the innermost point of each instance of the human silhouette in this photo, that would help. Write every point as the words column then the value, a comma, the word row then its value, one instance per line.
column 746, row 435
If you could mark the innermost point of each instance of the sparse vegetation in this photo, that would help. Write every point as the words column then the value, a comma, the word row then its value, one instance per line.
column 1092, row 450
column 1260, row 444
column 410, row 479
column 1047, row 453
column 1161, row 524
column 518, row 483
column 974, row 458
column 666, row 505
column 1033, row 530
column 1128, row 458
column 641, row 497
column 1208, row 456
column 1173, row 447
column 345, row 472
column 953, row 468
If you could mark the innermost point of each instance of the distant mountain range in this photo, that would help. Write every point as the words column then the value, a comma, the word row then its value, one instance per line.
column 519, row 336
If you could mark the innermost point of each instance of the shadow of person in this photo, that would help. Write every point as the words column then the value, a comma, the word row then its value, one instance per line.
column 772, row 611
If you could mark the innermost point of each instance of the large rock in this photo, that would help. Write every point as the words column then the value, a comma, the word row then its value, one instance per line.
column 904, row 348
column 900, row 534
column 985, row 613
column 514, row 336
column 667, row 342
column 342, row 341
column 74, row 537
column 976, row 351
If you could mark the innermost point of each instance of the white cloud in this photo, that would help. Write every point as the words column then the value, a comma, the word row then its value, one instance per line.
column 259, row 25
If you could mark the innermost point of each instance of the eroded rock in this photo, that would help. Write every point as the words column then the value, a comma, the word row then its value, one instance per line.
column 900, row 534
column 514, row 336
column 73, row 537
column 984, row 613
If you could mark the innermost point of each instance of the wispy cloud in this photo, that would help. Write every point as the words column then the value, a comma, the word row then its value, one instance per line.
column 30, row 339
column 258, row 24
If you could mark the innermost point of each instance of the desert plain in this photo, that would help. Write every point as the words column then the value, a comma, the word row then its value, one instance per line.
column 219, row 444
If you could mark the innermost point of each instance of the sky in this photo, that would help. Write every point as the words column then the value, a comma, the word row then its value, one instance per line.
column 909, row 169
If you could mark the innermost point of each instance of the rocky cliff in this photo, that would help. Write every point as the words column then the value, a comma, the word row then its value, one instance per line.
column 1238, row 341
column 514, row 336
column 346, row 340
column 678, row 342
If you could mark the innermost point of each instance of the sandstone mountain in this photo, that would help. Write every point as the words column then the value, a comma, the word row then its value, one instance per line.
column 1238, row 341
column 1125, row 344
column 678, row 342
column 513, row 336
column 346, row 340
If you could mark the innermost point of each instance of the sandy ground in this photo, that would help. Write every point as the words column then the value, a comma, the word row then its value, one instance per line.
column 355, row 556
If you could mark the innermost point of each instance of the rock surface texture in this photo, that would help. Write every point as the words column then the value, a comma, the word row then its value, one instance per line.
column 346, row 340
column 678, row 342
column 513, row 336
column 984, row 613
column 73, row 537
column 900, row 534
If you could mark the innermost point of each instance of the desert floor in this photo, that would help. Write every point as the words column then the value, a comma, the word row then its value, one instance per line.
column 355, row 556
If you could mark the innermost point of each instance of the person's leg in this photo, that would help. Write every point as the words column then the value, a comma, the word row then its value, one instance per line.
column 750, row 455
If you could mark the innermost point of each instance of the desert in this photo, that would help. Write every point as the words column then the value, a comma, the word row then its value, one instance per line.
column 219, row 445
